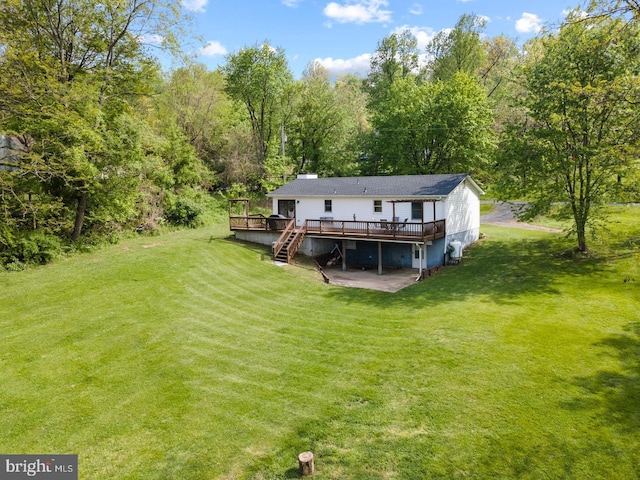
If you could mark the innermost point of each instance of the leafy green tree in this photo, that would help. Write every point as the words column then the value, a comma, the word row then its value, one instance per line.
column 196, row 99
column 316, row 115
column 354, row 128
column 259, row 77
column 614, row 8
column 323, row 131
column 579, row 137
column 440, row 127
column 458, row 50
column 394, row 61
column 460, row 136
column 501, row 57
column 70, row 77
column 396, row 57
column 237, row 163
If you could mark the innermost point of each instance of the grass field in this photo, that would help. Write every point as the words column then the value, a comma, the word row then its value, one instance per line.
column 191, row 356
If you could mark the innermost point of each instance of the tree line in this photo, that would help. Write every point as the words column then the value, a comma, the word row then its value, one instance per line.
column 96, row 139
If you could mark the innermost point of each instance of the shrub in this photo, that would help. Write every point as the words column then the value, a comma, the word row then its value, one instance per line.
column 33, row 248
column 185, row 210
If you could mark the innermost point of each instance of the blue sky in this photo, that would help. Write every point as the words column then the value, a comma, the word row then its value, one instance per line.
column 342, row 34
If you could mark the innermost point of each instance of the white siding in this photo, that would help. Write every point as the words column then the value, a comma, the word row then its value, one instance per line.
column 346, row 208
column 461, row 209
column 463, row 214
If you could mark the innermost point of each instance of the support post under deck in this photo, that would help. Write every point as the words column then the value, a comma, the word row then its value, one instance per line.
column 344, row 256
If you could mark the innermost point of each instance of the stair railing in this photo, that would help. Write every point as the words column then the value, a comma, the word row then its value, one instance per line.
column 279, row 244
column 295, row 243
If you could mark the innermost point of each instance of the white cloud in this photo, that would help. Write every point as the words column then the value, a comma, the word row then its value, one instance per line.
column 197, row 6
column 529, row 23
column 358, row 65
column 291, row 3
column 213, row 49
column 153, row 39
column 423, row 35
column 360, row 11
column 416, row 9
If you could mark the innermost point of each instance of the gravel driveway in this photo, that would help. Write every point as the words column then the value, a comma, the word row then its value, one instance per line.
column 502, row 215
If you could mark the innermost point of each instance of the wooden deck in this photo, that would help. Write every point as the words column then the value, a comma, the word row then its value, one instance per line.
column 257, row 222
column 398, row 231
column 365, row 230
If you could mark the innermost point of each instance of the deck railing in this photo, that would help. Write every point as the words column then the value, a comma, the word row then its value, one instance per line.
column 383, row 230
column 257, row 222
column 418, row 231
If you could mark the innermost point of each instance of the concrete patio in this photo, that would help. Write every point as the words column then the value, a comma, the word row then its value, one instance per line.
column 391, row 280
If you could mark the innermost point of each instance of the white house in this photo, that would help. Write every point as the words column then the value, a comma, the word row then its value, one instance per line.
column 407, row 221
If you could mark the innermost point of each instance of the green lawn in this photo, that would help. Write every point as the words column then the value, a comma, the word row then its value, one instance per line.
column 191, row 356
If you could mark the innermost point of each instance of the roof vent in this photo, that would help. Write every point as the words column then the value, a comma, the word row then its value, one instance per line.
column 307, row 176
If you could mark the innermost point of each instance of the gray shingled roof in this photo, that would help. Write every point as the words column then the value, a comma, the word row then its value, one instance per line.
column 408, row 186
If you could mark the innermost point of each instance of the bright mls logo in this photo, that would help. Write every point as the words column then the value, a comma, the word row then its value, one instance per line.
column 40, row 467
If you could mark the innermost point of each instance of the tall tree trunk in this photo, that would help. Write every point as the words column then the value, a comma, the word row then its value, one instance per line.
column 81, row 209
column 580, row 218
column 582, row 239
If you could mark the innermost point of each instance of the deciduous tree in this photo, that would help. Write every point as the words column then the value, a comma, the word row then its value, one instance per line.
column 395, row 57
column 323, row 132
column 439, row 127
column 580, row 134
column 196, row 99
column 458, row 50
column 259, row 77
column 70, row 77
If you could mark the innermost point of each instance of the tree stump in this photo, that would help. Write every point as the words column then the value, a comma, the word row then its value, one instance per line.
column 305, row 463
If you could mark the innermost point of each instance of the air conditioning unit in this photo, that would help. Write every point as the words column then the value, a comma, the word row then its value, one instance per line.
column 455, row 252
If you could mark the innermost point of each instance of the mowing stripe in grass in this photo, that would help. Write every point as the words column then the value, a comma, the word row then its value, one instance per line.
column 191, row 356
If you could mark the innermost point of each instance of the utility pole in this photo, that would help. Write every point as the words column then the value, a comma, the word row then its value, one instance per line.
column 283, row 140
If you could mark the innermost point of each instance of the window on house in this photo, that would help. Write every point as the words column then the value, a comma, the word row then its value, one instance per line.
column 377, row 206
column 327, row 205
column 416, row 211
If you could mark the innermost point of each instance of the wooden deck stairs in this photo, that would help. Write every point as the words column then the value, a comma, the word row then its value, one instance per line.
column 288, row 243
